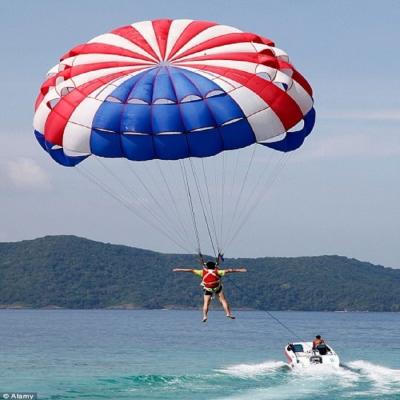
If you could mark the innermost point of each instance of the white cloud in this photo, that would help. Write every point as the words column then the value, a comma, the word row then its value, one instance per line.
column 25, row 172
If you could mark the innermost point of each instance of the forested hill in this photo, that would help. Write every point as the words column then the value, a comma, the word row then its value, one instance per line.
column 71, row 272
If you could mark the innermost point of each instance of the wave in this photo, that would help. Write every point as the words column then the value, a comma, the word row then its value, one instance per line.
column 254, row 370
column 156, row 380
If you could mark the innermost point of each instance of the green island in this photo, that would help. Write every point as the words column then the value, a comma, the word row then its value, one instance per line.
column 77, row 273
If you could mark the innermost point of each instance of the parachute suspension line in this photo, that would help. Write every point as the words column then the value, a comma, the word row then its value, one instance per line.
column 106, row 189
column 162, row 219
column 222, row 197
column 216, row 185
column 203, row 208
column 268, row 183
column 239, row 197
column 190, row 204
column 173, row 200
column 233, row 179
column 259, row 185
column 210, row 206
column 164, row 210
column 152, row 216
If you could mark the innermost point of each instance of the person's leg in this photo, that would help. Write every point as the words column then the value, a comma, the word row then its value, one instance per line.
column 225, row 304
column 206, row 305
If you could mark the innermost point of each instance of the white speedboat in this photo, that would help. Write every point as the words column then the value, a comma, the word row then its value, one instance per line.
column 302, row 355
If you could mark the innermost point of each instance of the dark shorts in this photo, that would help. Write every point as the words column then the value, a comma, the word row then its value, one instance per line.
column 211, row 292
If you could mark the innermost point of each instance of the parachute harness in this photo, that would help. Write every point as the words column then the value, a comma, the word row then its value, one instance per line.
column 219, row 259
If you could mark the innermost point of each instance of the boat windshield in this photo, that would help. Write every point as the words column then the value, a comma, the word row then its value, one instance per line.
column 298, row 348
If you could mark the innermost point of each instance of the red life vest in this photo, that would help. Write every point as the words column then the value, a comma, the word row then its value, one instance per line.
column 211, row 279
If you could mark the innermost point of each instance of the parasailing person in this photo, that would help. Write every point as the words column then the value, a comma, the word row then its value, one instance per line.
column 212, row 285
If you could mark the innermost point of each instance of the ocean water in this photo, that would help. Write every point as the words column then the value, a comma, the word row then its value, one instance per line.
column 164, row 354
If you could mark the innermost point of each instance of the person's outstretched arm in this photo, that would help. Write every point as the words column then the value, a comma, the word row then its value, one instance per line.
column 232, row 270
column 183, row 270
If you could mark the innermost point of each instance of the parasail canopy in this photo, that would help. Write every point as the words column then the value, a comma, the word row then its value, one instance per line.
column 171, row 89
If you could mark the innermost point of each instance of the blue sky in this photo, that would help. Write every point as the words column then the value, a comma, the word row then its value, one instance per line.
column 339, row 194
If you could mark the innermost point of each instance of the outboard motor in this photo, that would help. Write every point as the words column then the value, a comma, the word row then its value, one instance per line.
column 316, row 359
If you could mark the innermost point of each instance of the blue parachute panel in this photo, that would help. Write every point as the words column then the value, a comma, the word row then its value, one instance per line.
column 108, row 117
column 171, row 147
column 136, row 118
column 138, row 147
column 166, row 118
column 236, row 135
column 106, row 144
column 196, row 115
column 163, row 88
column 205, row 143
column 143, row 90
column 224, row 109
column 182, row 85
column 123, row 91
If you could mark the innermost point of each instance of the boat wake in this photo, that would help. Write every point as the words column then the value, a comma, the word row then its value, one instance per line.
column 254, row 370
column 382, row 379
column 275, row 380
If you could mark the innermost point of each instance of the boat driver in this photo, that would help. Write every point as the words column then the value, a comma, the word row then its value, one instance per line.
column 317, row 342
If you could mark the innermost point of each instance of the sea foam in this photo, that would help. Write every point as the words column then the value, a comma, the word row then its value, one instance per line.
column 253, row 370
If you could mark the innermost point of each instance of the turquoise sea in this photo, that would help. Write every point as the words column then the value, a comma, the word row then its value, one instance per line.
column 163, row 354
